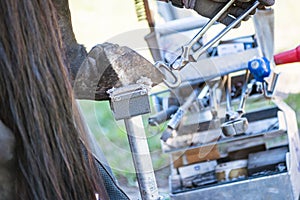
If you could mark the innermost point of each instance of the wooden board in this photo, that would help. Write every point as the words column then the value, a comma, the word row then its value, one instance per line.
column 197, row 155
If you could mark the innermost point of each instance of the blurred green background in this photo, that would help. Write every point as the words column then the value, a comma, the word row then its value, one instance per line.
column 98, row 21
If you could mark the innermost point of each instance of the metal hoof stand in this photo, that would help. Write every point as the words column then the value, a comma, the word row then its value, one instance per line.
column 128, row 103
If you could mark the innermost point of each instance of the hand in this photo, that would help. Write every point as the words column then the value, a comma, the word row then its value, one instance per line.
column 209, row 8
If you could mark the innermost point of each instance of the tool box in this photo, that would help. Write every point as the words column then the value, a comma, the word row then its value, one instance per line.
column 220, row 146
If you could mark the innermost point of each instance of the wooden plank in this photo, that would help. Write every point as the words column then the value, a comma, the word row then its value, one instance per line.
column 202, row 154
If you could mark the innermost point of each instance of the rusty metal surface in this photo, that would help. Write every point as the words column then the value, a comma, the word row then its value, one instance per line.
column 109, row 65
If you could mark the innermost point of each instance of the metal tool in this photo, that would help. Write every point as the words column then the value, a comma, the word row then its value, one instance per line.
column 213, row 98
column 237, row 124
column 235, row 127
column 162, row 116
column 178, row 116
column 247, row 88
column 230, row 114
column 268, row 89
column 185, row 57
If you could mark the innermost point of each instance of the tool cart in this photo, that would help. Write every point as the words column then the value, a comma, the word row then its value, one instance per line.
column 227, row 134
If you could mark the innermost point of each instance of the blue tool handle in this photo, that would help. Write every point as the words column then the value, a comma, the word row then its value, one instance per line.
column 260, row 68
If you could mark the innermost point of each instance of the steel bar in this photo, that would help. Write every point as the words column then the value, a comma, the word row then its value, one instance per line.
column 141, row 158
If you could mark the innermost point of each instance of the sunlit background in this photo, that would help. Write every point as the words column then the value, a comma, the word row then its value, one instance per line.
column 99, row 21
column 96, row 21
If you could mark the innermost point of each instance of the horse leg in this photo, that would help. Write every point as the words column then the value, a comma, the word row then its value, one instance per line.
column 75, row 53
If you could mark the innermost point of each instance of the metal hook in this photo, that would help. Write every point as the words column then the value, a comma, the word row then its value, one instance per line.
column 175, row 75
column 269, row 90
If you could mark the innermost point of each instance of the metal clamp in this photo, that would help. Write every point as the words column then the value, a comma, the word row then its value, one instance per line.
column 131, row 100
column 236, row 124
column 236, row 127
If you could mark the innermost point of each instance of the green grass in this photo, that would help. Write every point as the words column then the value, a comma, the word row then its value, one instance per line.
column 112, row 138
column 293, row 100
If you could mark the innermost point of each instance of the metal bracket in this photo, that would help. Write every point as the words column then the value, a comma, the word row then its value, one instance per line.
column 130, row 101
